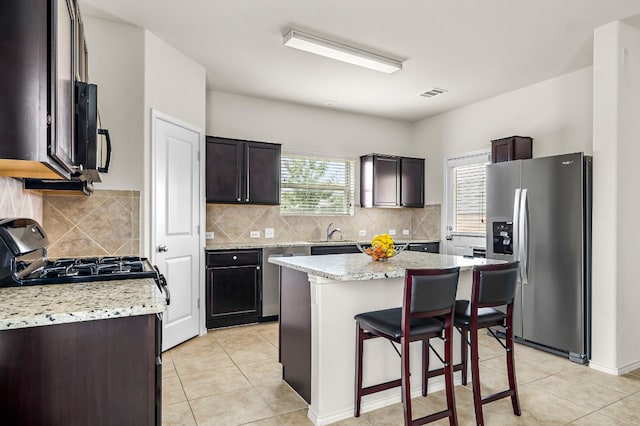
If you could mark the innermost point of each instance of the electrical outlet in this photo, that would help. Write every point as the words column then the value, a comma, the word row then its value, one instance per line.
column 362, row 233
column 392, row 232
column 209, row 235
column 254, row 234
column 405, row 232
column 269, row 232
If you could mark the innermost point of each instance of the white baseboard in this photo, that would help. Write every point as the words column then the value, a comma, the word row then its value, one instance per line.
column 616, row 371
column 374, row 402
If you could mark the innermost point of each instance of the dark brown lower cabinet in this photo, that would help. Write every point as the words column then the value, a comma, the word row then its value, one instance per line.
column 234, row 281
column 103, row 372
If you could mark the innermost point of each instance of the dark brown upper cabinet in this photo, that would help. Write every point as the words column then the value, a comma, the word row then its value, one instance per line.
column 39, row 51
column 242, row 172
column 412, row 182
column 511, row 148
column 391, row 181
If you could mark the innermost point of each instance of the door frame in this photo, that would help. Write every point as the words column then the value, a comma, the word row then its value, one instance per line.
column 155, row 116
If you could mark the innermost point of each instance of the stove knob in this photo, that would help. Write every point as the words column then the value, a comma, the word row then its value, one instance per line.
column 162, row 248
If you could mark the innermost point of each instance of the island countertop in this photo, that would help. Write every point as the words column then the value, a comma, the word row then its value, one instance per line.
column 359, row 267
column 34, row 306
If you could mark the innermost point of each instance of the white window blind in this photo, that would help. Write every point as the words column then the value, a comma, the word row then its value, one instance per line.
column 470, row 202
column 316, row 186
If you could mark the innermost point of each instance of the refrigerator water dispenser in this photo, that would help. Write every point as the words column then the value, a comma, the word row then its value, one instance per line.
column 503, row 237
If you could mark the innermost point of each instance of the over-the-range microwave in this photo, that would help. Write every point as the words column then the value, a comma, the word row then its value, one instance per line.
column 92, row 146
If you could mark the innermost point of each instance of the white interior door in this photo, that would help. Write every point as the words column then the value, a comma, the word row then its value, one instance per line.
column 176, row 212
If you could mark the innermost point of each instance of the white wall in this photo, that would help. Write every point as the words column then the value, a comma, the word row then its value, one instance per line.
column 116, row 65
column 616, row 199
column 556, row 113
column 303, row 129
column 174, row 84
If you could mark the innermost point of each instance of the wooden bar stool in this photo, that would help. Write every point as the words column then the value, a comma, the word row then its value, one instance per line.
column 428, row 293
column 493, row 286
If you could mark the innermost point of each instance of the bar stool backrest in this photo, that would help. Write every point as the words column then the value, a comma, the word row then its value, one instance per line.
column 495, row 284
column 430, row 292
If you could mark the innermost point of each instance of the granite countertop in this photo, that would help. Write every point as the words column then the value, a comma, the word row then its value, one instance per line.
column 262, row 244
column 360, row 267
column 34, row 306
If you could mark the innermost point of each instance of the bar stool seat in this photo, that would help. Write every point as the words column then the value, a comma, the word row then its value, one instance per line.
column 388, row 321
column 428, row 293
column 485, row 315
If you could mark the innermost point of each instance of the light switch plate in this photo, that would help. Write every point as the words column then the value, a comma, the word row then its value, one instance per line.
column 209, row 235
column 392, row 232
column 254, row 234
column 405, row 232
column 362, row 233
column 269, row 232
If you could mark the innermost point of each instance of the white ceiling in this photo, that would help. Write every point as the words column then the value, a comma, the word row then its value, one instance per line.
column 474, row 49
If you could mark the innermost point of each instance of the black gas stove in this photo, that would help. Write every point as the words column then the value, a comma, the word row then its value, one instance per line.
column 23, row 261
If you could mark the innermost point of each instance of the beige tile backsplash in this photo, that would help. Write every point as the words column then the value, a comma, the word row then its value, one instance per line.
column 231, row 223
column 106, row 223
column 16, row 202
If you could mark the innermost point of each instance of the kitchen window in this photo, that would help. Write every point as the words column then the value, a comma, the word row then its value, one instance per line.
column 466, row 194
column 316, row 186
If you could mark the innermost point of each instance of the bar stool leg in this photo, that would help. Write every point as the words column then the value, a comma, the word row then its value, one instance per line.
column 425, row 366
column 511, row 371
column 463, row 354
column 358, row 390
column 448, row 375
column 406, row 384
column 475, row 376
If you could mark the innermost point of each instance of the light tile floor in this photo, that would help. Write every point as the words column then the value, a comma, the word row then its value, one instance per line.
column 232, row 377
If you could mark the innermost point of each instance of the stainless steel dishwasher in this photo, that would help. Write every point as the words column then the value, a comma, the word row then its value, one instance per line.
column 271, row 279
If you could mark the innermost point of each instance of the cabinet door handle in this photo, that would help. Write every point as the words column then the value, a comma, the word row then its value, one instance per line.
column 235, row 257
column 257, row 268
column 247, row 200
column 238, row 199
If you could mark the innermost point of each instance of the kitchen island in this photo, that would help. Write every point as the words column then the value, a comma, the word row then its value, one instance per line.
column 320, row 295
column 81, row 353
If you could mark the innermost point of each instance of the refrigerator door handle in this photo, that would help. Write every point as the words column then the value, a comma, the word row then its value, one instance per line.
column 523, row 237
column 516, row 229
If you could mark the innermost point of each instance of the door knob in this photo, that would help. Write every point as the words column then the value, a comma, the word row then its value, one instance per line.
column 162, row 248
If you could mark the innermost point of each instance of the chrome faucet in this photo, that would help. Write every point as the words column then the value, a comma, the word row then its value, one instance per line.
column 330, row 231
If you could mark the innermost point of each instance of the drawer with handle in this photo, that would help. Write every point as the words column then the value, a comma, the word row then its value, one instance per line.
column 233, row 258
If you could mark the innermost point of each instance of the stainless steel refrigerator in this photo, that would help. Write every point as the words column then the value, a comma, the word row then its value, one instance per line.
column 539, row 212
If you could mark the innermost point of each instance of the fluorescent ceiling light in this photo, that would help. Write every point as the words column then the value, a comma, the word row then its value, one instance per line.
column 341, row 52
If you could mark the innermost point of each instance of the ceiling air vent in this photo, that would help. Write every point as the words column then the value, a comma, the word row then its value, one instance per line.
column 433, row 92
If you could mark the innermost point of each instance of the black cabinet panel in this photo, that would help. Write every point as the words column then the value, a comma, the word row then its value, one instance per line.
column 37, row 74
column 425, row 247
column 82, row 373
column 334, row 249
column 234, row 290
column 390, row 181
column 234, row 281
column 412, row 182
column 62, row 82
column 224, row 171
column 386, row 181
column 242, row 171
column 263, row 173
column 511, row 148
